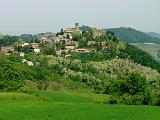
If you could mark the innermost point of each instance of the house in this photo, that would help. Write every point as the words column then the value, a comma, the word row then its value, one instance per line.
column 7, row 49
column 67, row 56
column 71, row 47
column 72, row 30
column 98, row 33
column 91, row 43
column 70, row 44
column 45, row 40
column 107, row 46
column 34, row 47
column 93, row 50
column 25, row 44
column 60, row 52
column 103, row 43
column 66, row 35
column 83, row 50
column 55, row 39
column 61, row 37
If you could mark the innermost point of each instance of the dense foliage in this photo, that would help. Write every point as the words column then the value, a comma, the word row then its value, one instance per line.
column 7, row 40
column 139, row 56
column 11, row 79
column 133, row 90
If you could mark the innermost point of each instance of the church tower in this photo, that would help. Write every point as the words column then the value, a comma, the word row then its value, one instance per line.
column 77, row 25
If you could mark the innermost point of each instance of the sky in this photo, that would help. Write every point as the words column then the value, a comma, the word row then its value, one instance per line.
column 36, row 16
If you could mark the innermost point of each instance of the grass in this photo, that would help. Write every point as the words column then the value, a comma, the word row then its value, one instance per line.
column 71, row 97
column 73, row 106
column 21, row 97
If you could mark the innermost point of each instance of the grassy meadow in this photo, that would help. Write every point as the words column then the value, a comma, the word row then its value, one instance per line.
column 69, row 106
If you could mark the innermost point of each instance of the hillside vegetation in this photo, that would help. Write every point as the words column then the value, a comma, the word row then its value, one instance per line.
column 107, row 66
column 152, row 49
column 81, row 82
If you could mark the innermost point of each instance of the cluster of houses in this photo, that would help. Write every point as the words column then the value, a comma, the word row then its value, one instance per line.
column 33, row 47
column 66, row 37
column 70, row 44
column 7, row 49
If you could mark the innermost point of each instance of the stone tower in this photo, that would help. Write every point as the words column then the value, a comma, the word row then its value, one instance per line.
column 77, row 25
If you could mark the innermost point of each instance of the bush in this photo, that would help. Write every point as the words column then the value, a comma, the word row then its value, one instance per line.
column 25, row 89
column 133, row 91
column 113, row 99
column 11, row 79
column 138, row 99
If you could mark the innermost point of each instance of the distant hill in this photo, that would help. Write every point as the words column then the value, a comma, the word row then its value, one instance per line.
column 30, row 37
column 133, row 36
column 157, row 35
column 85, row 28
column 26, row 37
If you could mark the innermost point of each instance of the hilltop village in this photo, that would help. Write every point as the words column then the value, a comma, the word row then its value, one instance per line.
column 65, row 43
column 78, row 59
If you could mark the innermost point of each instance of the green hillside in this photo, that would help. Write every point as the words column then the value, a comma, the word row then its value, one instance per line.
column 81, row 83
column 133, row 36
column 157, row 35
column 153, row 49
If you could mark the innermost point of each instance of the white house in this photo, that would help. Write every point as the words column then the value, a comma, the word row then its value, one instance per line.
column 25, row 44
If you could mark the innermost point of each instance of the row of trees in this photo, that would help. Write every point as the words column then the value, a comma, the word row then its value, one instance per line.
column 134, row 90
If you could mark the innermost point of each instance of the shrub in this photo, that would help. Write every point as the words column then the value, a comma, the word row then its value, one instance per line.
column 11, row 79
column 25, row 89
column 138, row 99
column 157, row 102
column 134, row 90
column 113, row 99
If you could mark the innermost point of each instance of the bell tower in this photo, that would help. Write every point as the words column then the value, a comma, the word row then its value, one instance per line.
column 77, row 25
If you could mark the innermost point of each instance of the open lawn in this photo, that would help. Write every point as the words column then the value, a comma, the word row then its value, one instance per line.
column 65, row 106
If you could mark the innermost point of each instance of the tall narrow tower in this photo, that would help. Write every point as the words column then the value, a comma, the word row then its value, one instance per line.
column 77, row 25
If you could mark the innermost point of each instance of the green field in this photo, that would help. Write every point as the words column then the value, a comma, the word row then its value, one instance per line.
column 150, row 48
column 66, row 106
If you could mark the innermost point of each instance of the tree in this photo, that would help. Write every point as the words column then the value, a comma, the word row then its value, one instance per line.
column 68, row 36
column 82, row 43
column 48, row 50
column 77, row 36
column 14, row 58
column 10, row 78
column 134, row 90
